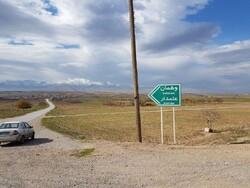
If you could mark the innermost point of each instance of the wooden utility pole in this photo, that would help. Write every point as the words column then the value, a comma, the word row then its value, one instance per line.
column 135, row 72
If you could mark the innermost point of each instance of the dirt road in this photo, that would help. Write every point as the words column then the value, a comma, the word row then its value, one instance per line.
column 33, row 115
column 48, row 162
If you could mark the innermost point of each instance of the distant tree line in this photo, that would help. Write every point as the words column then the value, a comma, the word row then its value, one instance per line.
column 202, row 101
column 148, row 102
column 126, row 103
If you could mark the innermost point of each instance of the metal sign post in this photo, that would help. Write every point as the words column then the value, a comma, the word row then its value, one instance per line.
column 174, row 129
column 162, row 131
column 167, row 95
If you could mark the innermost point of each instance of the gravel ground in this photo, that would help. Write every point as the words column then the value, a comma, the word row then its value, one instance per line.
column 48, row 162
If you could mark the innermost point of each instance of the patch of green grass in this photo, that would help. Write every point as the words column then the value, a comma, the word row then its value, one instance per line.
column 84, row 153
column 62, row 129
column 235, row 140
column 81, row 137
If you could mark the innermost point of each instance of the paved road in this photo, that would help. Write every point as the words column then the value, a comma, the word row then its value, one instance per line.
column 33, row 115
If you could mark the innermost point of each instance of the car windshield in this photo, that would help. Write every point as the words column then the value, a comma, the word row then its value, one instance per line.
column 9, row 126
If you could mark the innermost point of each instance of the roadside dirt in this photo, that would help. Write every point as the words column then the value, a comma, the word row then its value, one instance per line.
column 48, row 162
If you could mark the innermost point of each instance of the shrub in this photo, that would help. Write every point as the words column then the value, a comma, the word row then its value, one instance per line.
column 23, row 104
column 210, row 117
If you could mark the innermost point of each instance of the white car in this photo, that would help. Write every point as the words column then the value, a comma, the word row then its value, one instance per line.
column 16, row 131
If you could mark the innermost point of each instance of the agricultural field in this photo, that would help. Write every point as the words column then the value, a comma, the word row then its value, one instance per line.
column 106, row 117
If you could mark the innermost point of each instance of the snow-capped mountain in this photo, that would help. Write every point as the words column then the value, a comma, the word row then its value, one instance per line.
column 82, row 81
column 76, row 84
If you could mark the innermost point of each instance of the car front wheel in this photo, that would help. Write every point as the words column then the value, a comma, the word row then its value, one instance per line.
column 33, row 136
column 22, row 140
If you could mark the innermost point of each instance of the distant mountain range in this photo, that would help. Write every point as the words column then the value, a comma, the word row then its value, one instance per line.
column 76, row 84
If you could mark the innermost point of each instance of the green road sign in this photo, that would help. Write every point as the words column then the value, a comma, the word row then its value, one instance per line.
column 166, row 95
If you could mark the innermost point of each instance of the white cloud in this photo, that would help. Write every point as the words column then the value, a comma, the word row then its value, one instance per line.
column 161, row 26
column 169, row 48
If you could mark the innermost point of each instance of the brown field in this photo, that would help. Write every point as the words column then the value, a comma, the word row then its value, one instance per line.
column 113, row 118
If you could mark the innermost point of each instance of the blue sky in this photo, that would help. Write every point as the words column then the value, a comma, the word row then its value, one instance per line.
column 231, row 15
column 202, row 44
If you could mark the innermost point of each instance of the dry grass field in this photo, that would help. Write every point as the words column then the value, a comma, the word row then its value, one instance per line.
column 113, row 118
column 8, row 108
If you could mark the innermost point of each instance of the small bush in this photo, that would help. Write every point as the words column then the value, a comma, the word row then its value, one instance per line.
column 23, row 104
column 147, row 102
column 210, row 117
